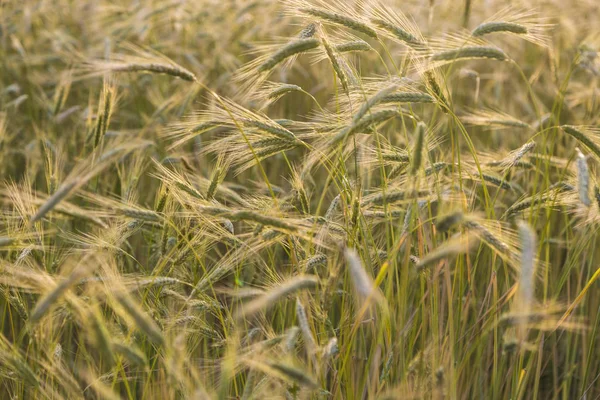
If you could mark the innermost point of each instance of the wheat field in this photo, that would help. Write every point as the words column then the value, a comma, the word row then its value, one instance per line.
column 299, row 199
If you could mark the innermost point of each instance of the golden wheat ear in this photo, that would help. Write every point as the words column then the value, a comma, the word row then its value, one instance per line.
column 452, row 247
column 522, row 23
column 489, row 118
column 276, row 293
column 136, row 60
column 393, row 24
column 334, row 13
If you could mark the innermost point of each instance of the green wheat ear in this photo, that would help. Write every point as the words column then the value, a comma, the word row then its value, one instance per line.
column 398, row 32
column 584, row 136
column 340, row 19
column 355, row 45
column 417, row 153
column 289, row 50
column 499, row 26
column 335, row 63
column 284, row 89
column 469, row 52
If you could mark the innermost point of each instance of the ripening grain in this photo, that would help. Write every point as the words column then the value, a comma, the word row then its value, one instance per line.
column 299, row 199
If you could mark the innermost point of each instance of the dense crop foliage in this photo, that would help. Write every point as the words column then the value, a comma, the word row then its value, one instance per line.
column 302, row 199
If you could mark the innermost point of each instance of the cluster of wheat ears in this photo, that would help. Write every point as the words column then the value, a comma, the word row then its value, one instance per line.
column 299, row 199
